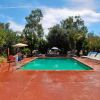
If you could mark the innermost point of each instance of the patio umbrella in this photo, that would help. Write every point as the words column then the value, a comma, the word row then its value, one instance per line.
column 55, row 48
column 20, row 45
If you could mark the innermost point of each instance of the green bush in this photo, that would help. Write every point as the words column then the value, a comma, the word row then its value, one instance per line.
column 26, row 51
column 4, row 54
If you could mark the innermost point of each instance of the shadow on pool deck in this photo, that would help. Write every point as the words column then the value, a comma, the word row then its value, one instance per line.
column 51, row 85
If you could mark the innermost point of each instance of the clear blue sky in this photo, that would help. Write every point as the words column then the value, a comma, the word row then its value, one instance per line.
column 15, row 11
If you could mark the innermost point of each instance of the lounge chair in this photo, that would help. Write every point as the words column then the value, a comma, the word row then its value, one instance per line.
column 87, row 55
column 97, row 57
column 92, row 55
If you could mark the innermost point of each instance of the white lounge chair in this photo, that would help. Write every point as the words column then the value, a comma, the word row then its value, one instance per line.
column 92, row 55
column 97, row 57
column 87, row 55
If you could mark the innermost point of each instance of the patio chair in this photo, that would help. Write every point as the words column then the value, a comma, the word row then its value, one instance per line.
column 87, row 55
column 92, row 55
column 97, row 57
column 11, row 59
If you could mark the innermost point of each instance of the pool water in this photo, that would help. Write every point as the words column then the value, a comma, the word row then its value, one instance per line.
column 55, row 64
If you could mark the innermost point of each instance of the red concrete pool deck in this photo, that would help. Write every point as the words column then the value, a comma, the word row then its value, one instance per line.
column 51, row 85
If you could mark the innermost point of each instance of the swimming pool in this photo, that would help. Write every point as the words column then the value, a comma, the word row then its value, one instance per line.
column 55, row 64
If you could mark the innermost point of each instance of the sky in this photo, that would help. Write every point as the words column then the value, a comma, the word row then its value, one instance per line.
column 15, row 11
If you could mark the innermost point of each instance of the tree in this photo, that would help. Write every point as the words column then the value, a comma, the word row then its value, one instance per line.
column 3, row 32
column 76, row 31
column 58, row 37
column 42, row 45
column 2, row 37
column 93, row 42
column 7, row 37
column 69, row 34
column 33, row 28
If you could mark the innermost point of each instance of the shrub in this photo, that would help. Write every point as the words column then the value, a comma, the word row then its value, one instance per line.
column 26, row 51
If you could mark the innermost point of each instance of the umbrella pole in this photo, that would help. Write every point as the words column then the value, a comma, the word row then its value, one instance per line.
column 8, row 51
column 7, row 54
column 9, row 66
column 8, row 58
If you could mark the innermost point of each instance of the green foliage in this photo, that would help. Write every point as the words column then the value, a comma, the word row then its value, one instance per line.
column 7, row 37
column 4, row 54
column 69, row 34
column 26, row 51
column 42, row 45
column 76, row 31
column 2, row 37
column 33, row 29
column 93, row 42
column 58, row 37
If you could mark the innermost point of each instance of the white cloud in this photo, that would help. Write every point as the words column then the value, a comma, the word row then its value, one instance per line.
column 16, row 27
column 3, row 17
column 83, row 4
column 53, row 16
column 13, row 25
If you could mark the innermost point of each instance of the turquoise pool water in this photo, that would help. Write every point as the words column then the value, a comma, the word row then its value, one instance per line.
column 55, row 64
